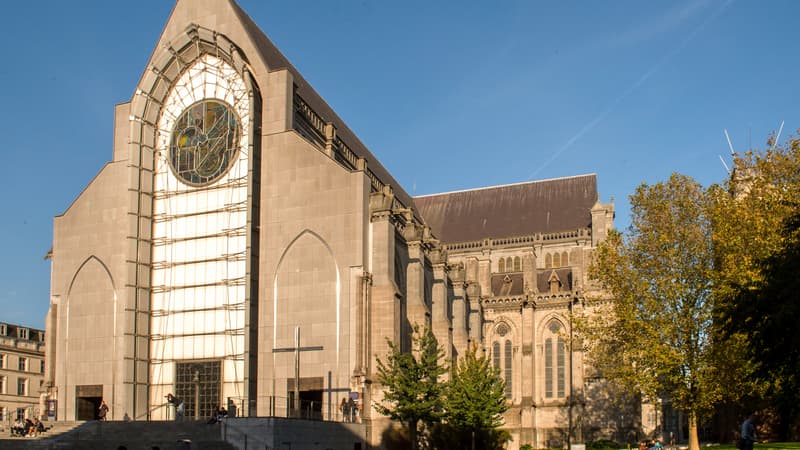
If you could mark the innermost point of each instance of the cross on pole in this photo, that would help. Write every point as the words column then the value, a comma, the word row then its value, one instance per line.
column 297, row 349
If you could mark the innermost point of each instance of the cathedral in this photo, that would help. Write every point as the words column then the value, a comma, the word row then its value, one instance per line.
column 242, row 247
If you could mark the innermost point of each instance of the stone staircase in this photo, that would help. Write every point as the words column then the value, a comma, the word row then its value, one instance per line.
column 187, row 435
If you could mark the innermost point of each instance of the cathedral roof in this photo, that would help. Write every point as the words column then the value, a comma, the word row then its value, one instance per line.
column 521, row 209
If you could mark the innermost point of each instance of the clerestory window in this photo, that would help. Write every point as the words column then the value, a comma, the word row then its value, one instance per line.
column 554, row 367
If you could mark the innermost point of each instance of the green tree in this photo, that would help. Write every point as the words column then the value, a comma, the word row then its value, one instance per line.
column 476, row 400
column 413, row 392
column 755, row 240
column 767, row 315
column 652, row 333
column 755, row 217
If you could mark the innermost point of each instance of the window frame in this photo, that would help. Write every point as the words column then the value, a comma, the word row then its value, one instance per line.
column 555, row 354
column 508, row 369
column 23, row 384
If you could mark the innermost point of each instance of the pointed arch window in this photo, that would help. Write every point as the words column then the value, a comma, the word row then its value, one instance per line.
column 565, row 259
column 503, row 357
column 556, row 260
column 554, row 367
column 548, row 261
column 501, row 265
column 517, row 264
column 509, row 373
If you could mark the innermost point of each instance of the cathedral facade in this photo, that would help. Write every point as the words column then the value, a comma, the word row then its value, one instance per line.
column 244, row 248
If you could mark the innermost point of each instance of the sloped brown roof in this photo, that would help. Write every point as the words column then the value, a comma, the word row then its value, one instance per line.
column 564, row 275
column 276, row 60
column 507, row 284
column 522, row 209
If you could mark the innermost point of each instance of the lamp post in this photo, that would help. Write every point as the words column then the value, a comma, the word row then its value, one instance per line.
column 196, row 380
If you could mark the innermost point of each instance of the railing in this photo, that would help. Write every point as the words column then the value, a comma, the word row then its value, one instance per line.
column 313, row 410
column 169, row 412
column 22, row 412
column 308, row 123
column 580, row 233
column 312, row 126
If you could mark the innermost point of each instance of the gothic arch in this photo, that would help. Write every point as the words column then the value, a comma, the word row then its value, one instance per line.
column 338, row 284
column 544, row 324
column 84, row 263
column 502, row 319
column 502, row 343
column 90, row 316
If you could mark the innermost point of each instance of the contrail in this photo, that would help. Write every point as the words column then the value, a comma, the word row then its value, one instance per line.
column 613, row 105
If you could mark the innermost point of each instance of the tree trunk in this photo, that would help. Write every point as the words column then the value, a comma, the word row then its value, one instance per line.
column 694, row 442
column 412, row 433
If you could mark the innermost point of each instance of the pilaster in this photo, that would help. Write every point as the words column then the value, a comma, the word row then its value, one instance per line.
column 475, row 313
column 460, row 310
column 417, row 303
column 441, row 321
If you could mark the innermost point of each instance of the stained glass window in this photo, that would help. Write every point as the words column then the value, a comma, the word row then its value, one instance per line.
column 508, row 372
column 560, row 368
column 554, row 363
column 204, row 143
column 548, row 367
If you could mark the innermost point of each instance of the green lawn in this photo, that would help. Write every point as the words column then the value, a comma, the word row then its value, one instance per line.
column 767, row 446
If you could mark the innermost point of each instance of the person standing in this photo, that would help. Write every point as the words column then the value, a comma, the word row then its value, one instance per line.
column 180, row 408
column 748, row 433
column 344, row 410
column 352, row 410
column 102, row 411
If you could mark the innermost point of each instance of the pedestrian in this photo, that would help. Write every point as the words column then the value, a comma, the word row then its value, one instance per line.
column 102, row 411
column 344, row 409
column 180, row 408
column 748, row 436
column 352, row 409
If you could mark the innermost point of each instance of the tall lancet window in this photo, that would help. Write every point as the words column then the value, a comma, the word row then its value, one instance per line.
column 508, row 366
column 554, row 367
column 504, row 360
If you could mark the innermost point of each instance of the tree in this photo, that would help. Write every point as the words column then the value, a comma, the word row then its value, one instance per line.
column 756, row 215
column 413, row 392
column 767, row 315
column 652, row 333
column 476, row 400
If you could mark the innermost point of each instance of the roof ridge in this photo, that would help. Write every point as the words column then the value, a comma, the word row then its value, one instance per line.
column 506, row 185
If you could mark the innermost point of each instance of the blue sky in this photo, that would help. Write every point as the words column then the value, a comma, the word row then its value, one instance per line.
column 448, row 95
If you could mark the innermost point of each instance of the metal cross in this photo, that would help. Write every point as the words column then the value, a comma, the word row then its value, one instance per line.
column 297, row 349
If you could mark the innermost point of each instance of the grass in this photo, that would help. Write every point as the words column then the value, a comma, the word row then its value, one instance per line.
column 765, row 446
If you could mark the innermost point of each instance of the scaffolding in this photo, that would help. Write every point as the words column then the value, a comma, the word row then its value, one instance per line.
column 199, row 276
